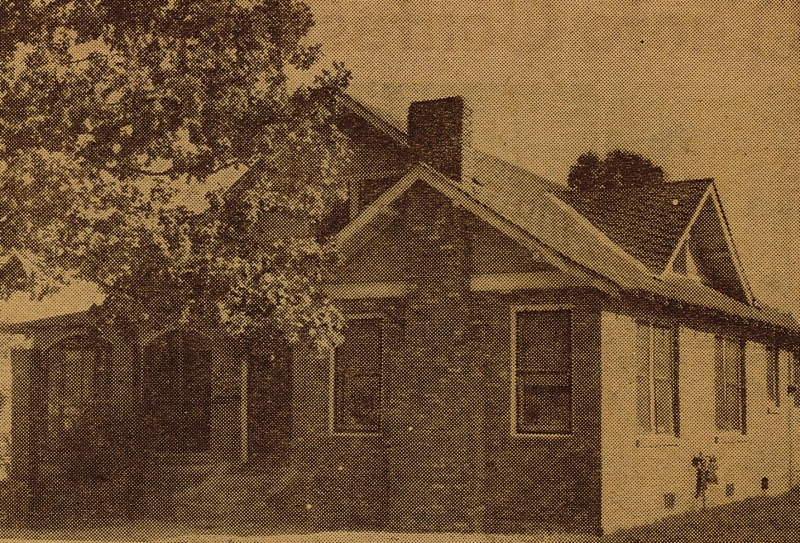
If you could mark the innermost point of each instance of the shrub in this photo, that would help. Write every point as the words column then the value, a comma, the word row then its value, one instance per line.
column 96, row 469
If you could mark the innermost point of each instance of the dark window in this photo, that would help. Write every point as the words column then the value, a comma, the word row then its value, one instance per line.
column 796, row 376
column 78, row 379
column 543, row 372
column 177, row 391
column 357, row 378
column 656, row 379
column 773, row 375
column 729, row 381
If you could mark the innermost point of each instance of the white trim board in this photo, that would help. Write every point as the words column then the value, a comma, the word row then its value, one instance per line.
column 737, row 263
column 354, row 291
column 712, row 194
column 503, row 282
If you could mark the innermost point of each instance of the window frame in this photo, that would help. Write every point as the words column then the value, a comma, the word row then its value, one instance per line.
column 674, row 357
column 742, row 385
column 540, row 308
column 794, row 369
column 332, row 389
column 773, row 374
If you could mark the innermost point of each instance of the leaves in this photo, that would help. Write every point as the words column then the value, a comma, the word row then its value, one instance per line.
column 618, row 168
column 125, row 127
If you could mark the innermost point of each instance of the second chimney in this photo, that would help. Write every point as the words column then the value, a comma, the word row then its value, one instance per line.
column 441, row 135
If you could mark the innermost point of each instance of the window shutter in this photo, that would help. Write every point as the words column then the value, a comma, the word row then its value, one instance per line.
column 719, row 384
column 643, row 377
column 742, row 396
column 663, row 385
column 27, row 416
column 676, row 383
column 773, row 377
column 197, row 399
column 796, row 375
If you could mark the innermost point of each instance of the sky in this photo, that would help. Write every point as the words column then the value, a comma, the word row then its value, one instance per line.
column 703, row 88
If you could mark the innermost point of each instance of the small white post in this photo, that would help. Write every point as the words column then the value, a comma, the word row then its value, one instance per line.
column 243, row 452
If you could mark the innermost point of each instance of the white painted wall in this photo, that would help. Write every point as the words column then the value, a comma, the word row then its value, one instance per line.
column 637, row 470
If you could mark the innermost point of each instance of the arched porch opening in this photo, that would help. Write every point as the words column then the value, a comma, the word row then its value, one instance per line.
column 77, row 372
column 268, row 396
column 176, row 382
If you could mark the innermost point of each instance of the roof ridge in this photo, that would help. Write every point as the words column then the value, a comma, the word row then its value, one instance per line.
column 592, row 190
column 374, row 118
column 707, row 180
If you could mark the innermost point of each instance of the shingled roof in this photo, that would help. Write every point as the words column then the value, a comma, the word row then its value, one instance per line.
column 645, row 221
column 620, row 237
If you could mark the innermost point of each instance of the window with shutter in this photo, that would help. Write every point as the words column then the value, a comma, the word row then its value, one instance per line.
column 656, row 379
column 543, row 372
column 729, row 378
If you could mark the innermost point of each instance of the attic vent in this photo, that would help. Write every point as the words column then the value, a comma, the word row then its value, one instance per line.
column 669, row 500
column 729, row 490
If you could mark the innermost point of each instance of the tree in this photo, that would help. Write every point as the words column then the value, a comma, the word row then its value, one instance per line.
column 585, row 173
column 618, row 169
column 114, row 115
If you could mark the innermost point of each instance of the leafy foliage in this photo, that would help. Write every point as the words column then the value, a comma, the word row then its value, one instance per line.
column 618, row 169
column 122, row 126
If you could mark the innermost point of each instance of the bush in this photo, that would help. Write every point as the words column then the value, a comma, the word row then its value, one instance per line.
column 96, row 469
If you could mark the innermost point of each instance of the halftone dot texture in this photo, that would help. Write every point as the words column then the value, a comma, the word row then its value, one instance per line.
column 703, row 89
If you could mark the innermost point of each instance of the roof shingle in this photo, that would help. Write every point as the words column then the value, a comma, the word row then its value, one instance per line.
column 645, row 221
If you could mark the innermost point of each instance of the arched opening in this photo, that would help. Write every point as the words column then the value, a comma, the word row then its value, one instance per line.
column 177, row 391
column 269, row 392
column 78, row 373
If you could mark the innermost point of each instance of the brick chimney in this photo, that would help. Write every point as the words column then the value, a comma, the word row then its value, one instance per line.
column 441, row 135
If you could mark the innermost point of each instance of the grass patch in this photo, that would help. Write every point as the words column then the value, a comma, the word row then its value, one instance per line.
column 764, row 519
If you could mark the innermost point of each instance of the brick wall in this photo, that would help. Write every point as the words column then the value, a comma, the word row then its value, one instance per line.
column 436, row 461
column 446, row 453
column 343, row 479
column 537, row 482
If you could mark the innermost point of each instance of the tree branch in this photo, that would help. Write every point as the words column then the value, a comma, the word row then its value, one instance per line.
column 171, row 170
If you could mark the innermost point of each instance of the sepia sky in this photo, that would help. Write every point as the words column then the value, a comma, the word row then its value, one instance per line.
column 703, row 88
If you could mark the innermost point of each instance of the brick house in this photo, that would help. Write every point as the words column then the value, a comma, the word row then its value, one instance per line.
column 518, row 356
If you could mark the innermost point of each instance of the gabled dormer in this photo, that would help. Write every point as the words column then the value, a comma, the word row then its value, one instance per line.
column 706, row 251
column 671, row 229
